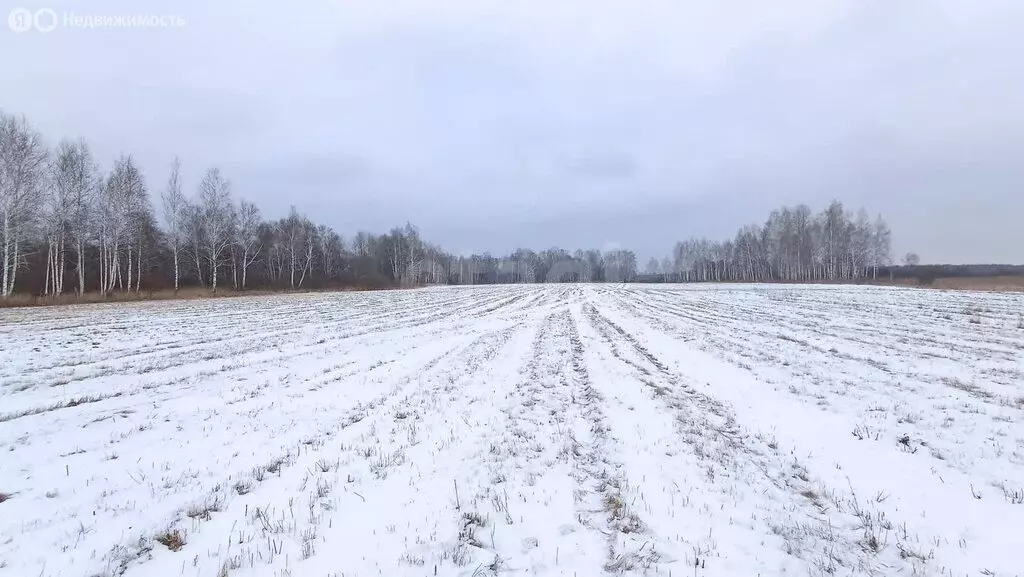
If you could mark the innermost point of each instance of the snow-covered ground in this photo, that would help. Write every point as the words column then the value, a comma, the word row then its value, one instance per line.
column 549, row 430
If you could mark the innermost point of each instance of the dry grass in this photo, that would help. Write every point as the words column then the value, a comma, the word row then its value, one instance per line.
column 173, row 540
column 1008, row 283
column 993, row 283
column 620, row 516
column 60, row 405
column 191, row 293
column 32, row 300
column 201, row 511
column 987, row 283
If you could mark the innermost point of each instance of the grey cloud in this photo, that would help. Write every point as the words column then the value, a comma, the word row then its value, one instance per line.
column 494, row 124
column 611, row 166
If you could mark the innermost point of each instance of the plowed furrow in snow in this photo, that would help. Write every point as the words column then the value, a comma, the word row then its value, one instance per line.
column 558, row 501
column 377, row 450
column 739, row 488
column 307, row 331
column 145, row 464
column 887, row 456
column 581, row 430
column 541, row 506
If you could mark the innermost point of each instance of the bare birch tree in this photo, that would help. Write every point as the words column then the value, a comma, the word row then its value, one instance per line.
column 247, row 236
column 80, row 175
column 72, row 184
column 217, row 212
column 174, row 205
column 22, row 169
column 293, row 228
column 122, row 209
column 109, row 229
column 881, row 241
column 193, row 237
column 56, row 214
column 139, row 215
column 309, row 244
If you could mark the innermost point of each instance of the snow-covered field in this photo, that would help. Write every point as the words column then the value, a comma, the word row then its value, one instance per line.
column 551, row 430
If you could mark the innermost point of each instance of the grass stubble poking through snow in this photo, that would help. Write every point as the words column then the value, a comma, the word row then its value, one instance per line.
column 544, row 430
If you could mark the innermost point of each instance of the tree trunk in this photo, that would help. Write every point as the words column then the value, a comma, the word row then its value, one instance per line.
column 292, row 254
column 138, row 268
column 14, row 267
column 49, row 267
column 81, row 268
column 7, row 243
column 303, row 276
column 103, row 268
column 129, row 267
column 62, row 260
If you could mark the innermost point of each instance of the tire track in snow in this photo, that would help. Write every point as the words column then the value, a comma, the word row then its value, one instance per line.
column 273, row 349
column 112, row 356
column 919, row 403
column 570, row 496
column 501, row 459
column 324, row 417
column 383, row 445
column 537, row 527
column 747, row 473
column 631, row 546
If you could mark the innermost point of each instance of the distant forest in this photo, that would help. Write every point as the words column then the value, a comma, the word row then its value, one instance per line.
column 70, row 228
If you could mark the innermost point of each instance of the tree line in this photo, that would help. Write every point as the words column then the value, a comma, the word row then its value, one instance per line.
column 69, row 227
column 793, row 245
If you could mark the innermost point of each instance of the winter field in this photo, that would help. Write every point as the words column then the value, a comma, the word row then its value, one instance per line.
column 517, row 430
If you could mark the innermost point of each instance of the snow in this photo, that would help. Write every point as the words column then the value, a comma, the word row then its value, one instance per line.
column 544, row 430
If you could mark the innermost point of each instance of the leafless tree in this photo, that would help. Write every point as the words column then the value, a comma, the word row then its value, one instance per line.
column 71, row 186
column 193, row 237
column 325, row 239
column 216, row 212
column 140, row 219
column 792, row 245
column 22, row 169
column 110, row 225
column 309, row 244
column 247, row 236
column 56, row 214
column 292, row 229
column 619, row 265
column 174, row 208
column 80, row 175
column 51, row 208
column 881, row 240
column 122, row 209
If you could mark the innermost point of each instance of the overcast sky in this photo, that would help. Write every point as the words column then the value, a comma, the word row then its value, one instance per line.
column 577, row 123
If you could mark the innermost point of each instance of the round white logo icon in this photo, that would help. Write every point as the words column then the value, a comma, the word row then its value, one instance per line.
column 45, row 20
column 21, row 19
